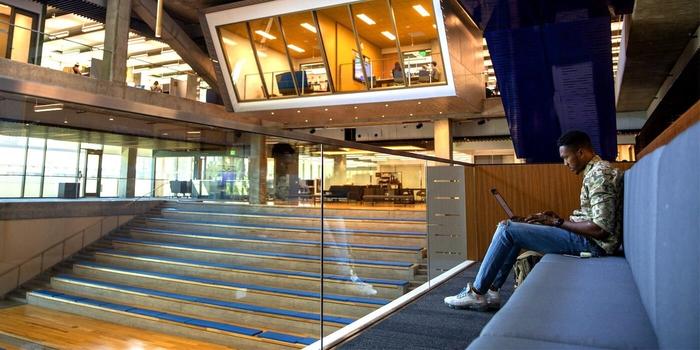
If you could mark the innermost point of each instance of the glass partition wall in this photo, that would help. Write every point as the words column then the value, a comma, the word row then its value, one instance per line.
column 306, row 235
column 367, row 45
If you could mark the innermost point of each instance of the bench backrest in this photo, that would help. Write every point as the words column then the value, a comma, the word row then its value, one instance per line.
column 662, row 237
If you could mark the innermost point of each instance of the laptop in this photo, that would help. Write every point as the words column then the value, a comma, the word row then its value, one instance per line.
column 502, row 203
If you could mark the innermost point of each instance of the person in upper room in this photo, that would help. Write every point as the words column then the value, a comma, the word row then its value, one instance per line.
column 434, row 72
column 156, row 87
column 76, row 69
column 489, row 92
column 397, row 73
column 595, row 228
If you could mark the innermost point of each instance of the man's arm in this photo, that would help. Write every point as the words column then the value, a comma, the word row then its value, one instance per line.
column 584, row 228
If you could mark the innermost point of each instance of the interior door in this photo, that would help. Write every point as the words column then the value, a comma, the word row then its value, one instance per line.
column 93, row 173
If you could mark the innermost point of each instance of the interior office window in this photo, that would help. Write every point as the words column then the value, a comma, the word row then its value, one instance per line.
column 35, row 166
column 13, row 150
column 272, row 56
column 166, row 170
column 418, row 35
column 21, row 37
column 341, row 48
column 5, row 13
column 240, row 61
column 378, row 41
column 61, row 165
column 304, row 48
column 111, row 171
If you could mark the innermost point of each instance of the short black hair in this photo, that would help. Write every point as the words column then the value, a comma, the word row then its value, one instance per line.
column 575, row 139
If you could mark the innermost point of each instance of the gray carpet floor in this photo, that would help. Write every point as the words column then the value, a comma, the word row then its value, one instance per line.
column 427, row 323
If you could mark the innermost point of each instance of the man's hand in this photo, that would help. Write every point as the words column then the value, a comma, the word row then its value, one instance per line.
column 548, row 218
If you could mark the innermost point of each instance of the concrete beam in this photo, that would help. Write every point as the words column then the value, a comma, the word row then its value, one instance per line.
column 178, row 40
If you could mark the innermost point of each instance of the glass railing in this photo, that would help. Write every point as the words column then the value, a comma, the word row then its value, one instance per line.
column 307, row 234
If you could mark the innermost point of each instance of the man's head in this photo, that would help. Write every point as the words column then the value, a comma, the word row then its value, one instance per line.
column 575, row 150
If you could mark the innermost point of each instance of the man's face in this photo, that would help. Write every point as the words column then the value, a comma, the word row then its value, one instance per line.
column 573, row 158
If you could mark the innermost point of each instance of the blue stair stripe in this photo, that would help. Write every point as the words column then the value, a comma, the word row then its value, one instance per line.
column 266, row 239
column 227, row 304
column 271, row 254
column 298, row 216
column 287, row 338
column 256, row 269
column 314, row 295
column 302, row 228
column 156, row 314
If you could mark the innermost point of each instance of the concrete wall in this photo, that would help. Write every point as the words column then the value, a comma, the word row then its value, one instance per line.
column 30, row 228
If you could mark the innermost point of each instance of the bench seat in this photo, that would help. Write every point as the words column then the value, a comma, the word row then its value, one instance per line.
column 597, row 306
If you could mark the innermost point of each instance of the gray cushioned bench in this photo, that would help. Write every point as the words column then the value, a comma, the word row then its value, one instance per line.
column 648, row 299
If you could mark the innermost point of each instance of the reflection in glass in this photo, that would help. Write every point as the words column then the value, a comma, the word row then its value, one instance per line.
column 377, row 36
column 341, row 48
column 61, row 165
column 272, row 56
column 301, row 35
column 417, row 33
column 240, row 60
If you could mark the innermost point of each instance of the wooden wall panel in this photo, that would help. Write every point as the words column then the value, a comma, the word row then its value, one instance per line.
column 528, row 188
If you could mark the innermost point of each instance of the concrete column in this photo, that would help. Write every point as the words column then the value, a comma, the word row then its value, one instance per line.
column 286, row 172
column 257, row 170
column 127, row 181
column 116, row 41
column 443, row 138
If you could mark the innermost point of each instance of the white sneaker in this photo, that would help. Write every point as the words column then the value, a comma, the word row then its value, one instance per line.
column 466, row 299
column 493, row 299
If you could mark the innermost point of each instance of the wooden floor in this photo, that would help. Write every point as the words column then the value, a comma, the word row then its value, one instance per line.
column 65, row 331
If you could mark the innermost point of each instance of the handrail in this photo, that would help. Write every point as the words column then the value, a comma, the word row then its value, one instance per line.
column 82, row 231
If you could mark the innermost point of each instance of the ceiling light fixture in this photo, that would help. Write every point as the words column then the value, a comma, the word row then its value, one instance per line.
column 89, row 27
column 296, row 48
column 262, row 54
column 229, row 41
column 366, row 19
column 48, row 107
column 421, row 10
column 265, row 34
column 308, row 27
column 59, row 35
column 111, row 119
column 194, row 132
column 388, row 35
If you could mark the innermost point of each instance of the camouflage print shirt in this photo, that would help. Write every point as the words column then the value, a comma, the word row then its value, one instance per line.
column 601, row 202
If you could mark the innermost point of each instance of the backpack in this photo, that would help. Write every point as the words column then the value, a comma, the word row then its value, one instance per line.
column 524, row 264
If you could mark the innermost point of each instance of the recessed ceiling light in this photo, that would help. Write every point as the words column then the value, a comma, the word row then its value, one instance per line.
column 388, row 35
column 355, row 107
column 421, row 10
column 111, row 119
column 194, row 132
column 298, row 111
column 356, row 118
column 308, row 27
column 382, row 115
column 325, row 109
column 273, row 113
column 265, row 34
column 296, row 48
column 165, row 134
column 306, row 120
column 65, row 122
column 419, row 102
column 331, row 119
column 366, row 19
column 410, row 114
column 386, row 105
column 440, row 112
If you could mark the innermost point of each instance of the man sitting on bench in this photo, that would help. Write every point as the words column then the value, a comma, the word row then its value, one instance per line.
column 595, row 228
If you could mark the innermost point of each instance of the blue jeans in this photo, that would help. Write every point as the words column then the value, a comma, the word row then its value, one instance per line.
column 511, row 236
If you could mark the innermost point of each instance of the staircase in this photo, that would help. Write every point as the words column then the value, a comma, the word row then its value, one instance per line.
column 245, row 276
